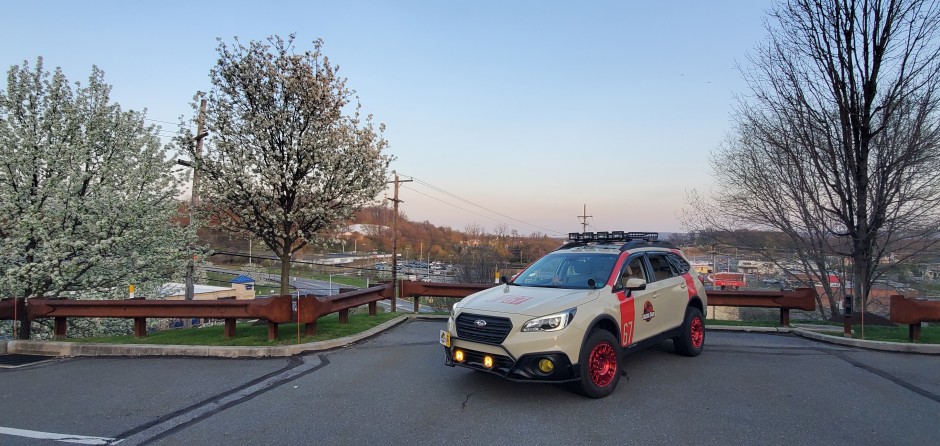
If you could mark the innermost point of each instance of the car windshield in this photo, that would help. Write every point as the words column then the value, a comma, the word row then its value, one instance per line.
column 568, row 270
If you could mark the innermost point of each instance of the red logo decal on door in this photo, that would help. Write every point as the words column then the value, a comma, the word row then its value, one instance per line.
column 648, row 313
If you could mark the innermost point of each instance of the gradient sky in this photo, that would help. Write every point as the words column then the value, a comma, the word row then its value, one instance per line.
column 521, row 112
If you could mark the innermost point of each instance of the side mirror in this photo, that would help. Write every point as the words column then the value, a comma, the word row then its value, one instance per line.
column 503, row 279
column 635, row 283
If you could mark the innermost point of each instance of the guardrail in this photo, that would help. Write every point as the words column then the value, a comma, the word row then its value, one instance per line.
column 798, row 299
column 433, row 289
column 275, row 310
column 913, row 312
column 311, row 308
column 12, row 308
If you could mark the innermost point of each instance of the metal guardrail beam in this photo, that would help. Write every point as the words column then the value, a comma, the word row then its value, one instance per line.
column 913, row 312
column 310, row 307
column 11, row 308
column 798, row 299
column 274, row 309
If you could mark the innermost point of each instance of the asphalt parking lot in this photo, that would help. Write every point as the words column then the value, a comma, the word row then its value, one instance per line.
column 394, row 389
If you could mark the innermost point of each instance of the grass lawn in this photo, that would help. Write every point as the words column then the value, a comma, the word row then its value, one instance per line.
column 928, row 335
column 247, row 334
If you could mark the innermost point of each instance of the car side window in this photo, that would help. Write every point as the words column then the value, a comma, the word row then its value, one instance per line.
column 661, row 269
column 680, row 264
column 632, row 269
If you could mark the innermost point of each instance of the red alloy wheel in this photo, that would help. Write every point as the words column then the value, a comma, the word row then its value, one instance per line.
column 603, row 362
column 697, row 332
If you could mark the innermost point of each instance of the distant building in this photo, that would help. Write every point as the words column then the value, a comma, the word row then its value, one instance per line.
column 701, row 267
column 757, row 267
column 242, row 287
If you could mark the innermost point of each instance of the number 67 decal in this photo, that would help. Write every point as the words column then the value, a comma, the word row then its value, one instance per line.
column 627, row 334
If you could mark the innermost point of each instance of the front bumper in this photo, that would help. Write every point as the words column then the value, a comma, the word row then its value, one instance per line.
column 524, row 368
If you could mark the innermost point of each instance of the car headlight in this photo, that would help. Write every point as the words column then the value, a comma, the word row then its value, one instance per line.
column 552, row 322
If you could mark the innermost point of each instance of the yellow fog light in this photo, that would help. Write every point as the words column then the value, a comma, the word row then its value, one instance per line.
column 458, row 355
column 546, row 365
column 488, row 362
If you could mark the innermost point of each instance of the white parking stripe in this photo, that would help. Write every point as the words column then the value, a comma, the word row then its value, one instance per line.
column 77, row 439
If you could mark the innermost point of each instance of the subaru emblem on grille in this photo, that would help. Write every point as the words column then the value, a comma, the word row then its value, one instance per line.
column 479, row 323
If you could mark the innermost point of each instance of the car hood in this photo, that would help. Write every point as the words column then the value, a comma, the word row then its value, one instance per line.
column 529, row 301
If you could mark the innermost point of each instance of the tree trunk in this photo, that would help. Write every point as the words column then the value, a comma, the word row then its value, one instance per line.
column 25, row 330
column 285, row 272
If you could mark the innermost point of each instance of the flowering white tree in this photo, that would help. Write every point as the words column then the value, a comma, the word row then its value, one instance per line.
column 87, row 193
column 283, row 160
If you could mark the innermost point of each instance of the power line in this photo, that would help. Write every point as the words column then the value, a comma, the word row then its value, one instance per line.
column 168, row 122
column 438, row 189
column 451, row 204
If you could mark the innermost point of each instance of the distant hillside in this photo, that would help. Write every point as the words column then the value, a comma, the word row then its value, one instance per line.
column 371, row 230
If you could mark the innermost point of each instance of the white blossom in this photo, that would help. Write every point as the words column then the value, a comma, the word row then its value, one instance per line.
column 87, row 192
column 284, row 161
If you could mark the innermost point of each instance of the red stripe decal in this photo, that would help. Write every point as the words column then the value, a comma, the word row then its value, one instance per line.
column 690, row 282
column 627, row 318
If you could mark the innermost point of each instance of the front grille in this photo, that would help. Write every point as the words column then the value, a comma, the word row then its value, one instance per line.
column 493, row 332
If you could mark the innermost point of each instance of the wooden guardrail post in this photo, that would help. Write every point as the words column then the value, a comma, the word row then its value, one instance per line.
column 229, row 331
column 140, row 327
column 272, row 330
column 60, row 326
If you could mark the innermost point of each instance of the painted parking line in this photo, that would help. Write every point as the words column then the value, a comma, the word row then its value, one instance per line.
column 65, row 438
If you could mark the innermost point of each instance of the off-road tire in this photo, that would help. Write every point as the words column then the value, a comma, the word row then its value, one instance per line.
column 599, row 364
column 692, row 339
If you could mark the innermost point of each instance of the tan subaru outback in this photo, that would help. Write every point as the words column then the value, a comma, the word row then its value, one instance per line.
column 574, row 313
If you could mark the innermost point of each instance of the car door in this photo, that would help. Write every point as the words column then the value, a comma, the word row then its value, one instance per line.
column 671, row 295
column 633, row 302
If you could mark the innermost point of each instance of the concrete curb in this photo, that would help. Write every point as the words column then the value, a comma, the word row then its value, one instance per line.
column 814, row 334
column 748, row 329
column 902, row 347
column 71, row 349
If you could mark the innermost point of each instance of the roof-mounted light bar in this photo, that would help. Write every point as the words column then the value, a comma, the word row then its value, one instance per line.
column 612, row 236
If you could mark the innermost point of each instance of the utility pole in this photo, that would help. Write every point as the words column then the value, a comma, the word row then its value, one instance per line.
column 583, row 217
column 194, row 199
column 395, row 200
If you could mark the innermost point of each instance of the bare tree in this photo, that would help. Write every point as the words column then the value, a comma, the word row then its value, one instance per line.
column 284, row 161
column 838, row 144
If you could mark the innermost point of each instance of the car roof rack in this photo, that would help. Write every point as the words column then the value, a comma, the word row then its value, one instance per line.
column 628, row 239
